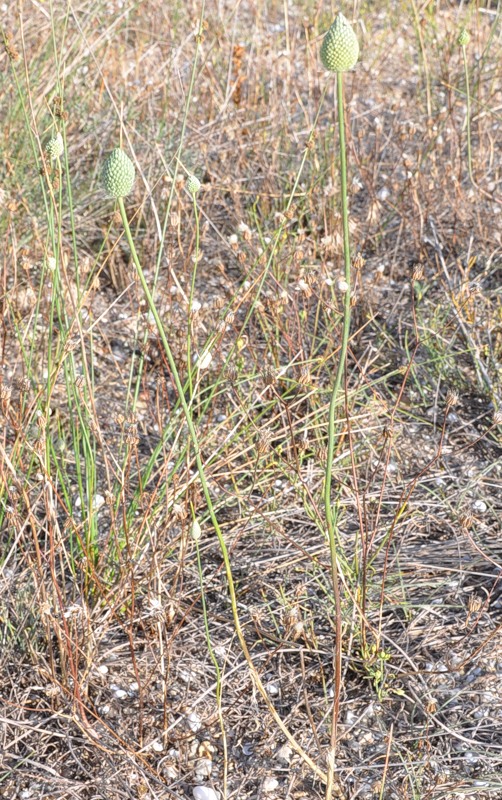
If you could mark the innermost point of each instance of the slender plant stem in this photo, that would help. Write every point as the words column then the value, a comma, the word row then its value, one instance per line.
column 423, row 51
column 205, row 488
column 468, row 114
column 191, row 298
column 219, row 686
column 330, row 516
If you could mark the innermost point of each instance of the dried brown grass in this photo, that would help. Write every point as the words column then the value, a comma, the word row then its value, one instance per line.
column 104, row 657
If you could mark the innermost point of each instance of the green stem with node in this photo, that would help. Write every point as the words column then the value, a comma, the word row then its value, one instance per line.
column 205, row 488
column 330, row 516
column 468, row 114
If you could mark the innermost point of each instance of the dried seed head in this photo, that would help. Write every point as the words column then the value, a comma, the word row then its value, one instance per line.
column 118, row 174
column 463, row 38
column 305, row 376
column 263, row 441
column 304, row 443
column 451, row 398
column 23, row 385
column 466, row 521
column 193, row 184
column 55, row 146
column 269, row 375
column 218, row 302
column 358, row 262
column 340, row 48
column 179, row 511
column 5, row 394
column 418, row 273
column 232, row 373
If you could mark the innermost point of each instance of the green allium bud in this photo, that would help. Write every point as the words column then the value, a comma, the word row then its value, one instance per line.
column 193, row 184
column 340, row 48
column 196, row 531
column 118, row 174
column 55, row 146
column 463, row 38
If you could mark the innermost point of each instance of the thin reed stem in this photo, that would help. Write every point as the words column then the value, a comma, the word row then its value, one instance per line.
column 468, row 114
column 219, row 686
column 330, row 516
column 191, row 313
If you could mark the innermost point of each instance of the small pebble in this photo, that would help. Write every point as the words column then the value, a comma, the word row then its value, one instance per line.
column 203, row 768
column 284, row 753
column 194, row 748
column 194, row 722
column 97, row 501
column 204, row 793
column 204, row 360
column 270, row 785
column 170, row 772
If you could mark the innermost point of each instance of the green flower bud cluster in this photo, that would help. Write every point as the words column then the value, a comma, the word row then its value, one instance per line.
column 55, row 146
column 463, row 38
column 118, row 174
column 193, row 184
column 340, row 48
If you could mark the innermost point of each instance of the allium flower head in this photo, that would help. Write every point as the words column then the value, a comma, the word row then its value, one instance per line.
column 55, row 146
column 463, row 38
column 118, row 174
column 340, row 48
column 196, row 530
column 193, row 184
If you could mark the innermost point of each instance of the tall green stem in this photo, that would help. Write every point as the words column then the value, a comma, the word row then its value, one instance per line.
column 468, row 113
column 330, row 517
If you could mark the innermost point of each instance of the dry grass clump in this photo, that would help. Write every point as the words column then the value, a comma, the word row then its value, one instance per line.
column 121, row 669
